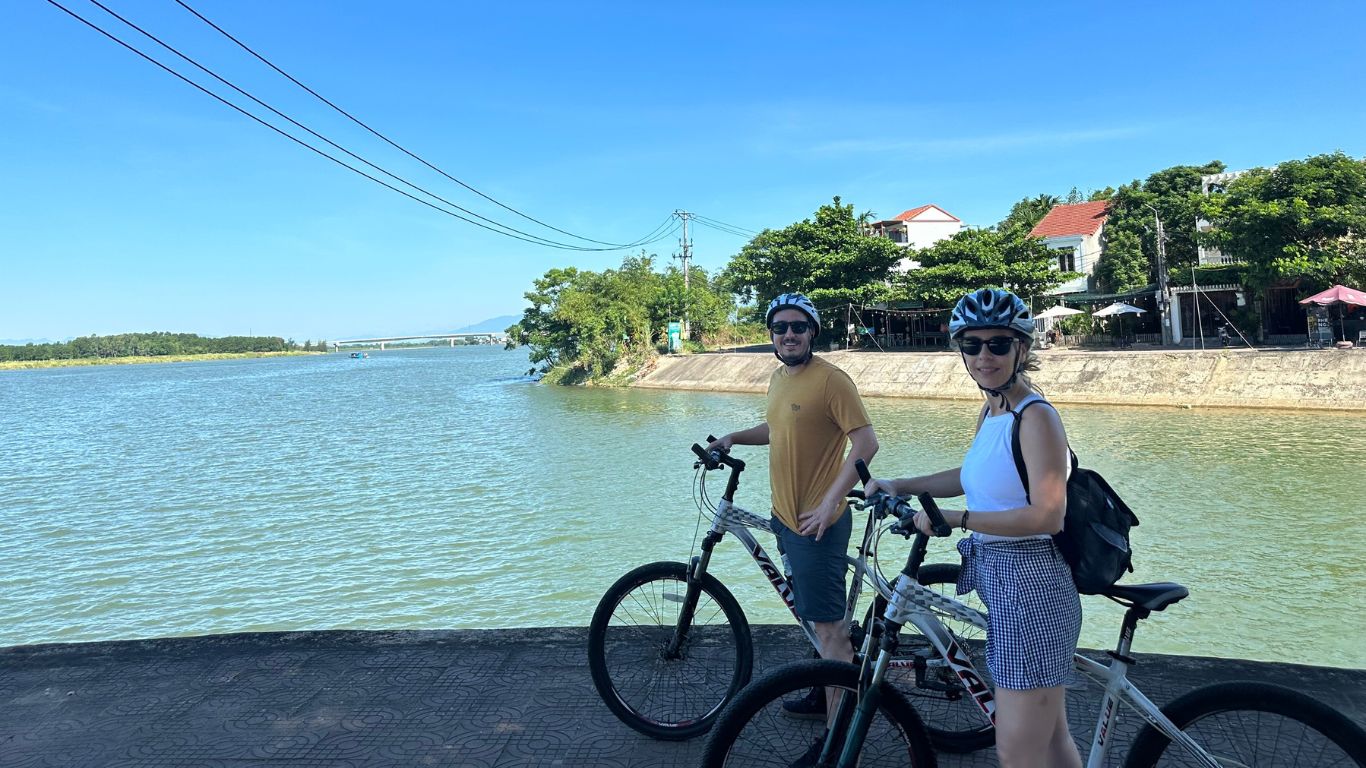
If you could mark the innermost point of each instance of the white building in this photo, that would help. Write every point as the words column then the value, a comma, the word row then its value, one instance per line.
column 1214, row 183
column 917, row 228
column 1075, row 232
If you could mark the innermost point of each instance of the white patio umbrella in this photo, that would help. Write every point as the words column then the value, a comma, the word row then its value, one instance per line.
column 1118, row 308
column 1058, row 311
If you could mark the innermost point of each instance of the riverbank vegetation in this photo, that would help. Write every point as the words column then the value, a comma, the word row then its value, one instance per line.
column 1301, row 223
column 10, row 365
column 125, row 347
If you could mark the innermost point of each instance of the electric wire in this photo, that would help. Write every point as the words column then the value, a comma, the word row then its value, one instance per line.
column 723, row 226
column 392, row 143
column 724, row 230
column 529, row 237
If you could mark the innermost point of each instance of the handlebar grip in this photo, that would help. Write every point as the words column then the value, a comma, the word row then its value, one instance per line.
column 937, row 522
column 862, row 470
column 700, row 451
column 856, row 494
column 711, row 438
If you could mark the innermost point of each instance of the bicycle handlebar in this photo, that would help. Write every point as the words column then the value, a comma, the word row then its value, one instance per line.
column 902, row 510
column 716, row 458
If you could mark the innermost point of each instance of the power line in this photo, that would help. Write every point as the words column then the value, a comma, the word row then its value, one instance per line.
column 722, row 226
column 386, row 139
column 526, row 237
column 317, row 135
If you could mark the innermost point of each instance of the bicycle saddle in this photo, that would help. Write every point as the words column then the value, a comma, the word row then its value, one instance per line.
column 1153, row 597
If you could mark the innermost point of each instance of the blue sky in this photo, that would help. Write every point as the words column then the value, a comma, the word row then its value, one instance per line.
column 133, row 202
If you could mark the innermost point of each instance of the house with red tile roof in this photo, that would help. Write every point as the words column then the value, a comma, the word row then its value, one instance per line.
column 917, row 228
column 1075, row 232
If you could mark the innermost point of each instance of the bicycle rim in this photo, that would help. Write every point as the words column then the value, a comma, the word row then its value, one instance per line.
column 668, row 696
column 1253, row 724
column 755, row 732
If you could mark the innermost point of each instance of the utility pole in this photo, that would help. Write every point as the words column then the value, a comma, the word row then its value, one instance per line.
column 1163, row 298
column 686, row 257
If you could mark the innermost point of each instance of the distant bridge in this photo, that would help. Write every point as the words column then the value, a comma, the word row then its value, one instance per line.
column 450, row 337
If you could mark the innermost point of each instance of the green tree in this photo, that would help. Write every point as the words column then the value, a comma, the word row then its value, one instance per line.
column 585, row 323
column 978, row 258
column 1027, row 213
column 1129, row 259
column 1304, row 220
column 829, row 259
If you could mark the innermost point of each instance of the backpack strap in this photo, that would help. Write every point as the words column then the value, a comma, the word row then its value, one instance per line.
column 1019, row 454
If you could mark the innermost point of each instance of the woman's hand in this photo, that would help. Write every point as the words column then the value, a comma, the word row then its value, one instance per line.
column 951, row 516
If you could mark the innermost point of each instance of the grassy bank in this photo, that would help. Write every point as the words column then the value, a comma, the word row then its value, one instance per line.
column 10, row 365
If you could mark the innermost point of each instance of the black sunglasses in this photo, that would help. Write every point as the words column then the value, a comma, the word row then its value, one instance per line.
column 998, row 345
column 798, row 327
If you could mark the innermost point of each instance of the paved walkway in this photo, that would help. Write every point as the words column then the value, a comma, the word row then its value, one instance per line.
column 474, row 699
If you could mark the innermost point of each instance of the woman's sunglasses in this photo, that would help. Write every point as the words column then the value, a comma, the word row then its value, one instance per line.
column 798, row 327
column 998, row 345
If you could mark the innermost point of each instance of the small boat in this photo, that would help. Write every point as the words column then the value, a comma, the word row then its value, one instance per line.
column 359, row 355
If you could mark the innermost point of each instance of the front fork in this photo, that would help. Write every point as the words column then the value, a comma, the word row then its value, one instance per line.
column 697, row 568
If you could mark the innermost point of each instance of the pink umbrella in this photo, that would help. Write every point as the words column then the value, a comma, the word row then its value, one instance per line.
column 1338, row 293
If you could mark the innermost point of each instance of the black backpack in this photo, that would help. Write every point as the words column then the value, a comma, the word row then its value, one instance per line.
column 1095, row 536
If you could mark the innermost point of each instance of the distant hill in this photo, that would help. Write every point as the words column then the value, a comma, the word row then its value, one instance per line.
column 491, row 325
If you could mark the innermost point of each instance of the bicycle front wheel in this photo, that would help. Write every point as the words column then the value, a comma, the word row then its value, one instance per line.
column 952, row 718
column 1253, row 724
column 662, row 688
column 755, row 731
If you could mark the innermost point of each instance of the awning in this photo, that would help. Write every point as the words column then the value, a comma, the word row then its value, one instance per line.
column 1207, row 288
column 1108, row 298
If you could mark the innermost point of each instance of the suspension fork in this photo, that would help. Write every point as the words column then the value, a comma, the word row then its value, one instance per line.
column 869, row 696
column 697, row 568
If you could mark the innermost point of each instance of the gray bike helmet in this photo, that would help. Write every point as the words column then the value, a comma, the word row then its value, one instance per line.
column 794, row 301
column 994, row 308
column 991, row 308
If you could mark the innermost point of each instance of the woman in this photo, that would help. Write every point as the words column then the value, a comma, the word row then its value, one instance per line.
column 1010, row 558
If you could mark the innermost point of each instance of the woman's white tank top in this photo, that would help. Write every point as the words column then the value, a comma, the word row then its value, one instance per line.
column 990, row 480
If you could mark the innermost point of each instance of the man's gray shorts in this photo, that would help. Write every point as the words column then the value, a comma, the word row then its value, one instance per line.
column 818, row 568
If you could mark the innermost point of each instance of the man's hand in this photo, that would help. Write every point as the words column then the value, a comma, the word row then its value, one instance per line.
column 724, row 443
column 817, row 521
column 879, row 484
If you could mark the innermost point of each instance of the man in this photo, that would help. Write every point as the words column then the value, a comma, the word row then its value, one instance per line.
column 813, row 408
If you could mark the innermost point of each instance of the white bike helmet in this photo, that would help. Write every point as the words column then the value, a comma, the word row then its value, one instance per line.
column 991, row 308
column 794, row 301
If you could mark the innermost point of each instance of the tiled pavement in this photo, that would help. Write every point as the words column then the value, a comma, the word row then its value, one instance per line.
column 475, row 699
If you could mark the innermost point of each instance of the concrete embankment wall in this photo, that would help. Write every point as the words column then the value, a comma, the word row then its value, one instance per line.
column 1317, row 379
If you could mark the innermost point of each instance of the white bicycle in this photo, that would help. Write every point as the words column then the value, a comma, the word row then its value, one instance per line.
column 1216, row 726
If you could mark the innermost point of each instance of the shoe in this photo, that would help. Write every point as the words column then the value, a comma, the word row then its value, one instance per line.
column 809, row 707
column 812, row 754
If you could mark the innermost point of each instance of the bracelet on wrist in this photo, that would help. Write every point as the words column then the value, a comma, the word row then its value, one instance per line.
column 964, row 523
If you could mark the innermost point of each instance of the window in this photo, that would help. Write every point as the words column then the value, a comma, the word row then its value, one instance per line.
column 1067, row 260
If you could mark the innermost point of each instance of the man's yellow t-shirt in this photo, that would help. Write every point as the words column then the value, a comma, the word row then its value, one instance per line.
column 810, row 415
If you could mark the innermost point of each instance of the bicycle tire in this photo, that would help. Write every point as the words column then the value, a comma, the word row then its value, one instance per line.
column 754, row 732
column 1255, row 724
column 952, row 718
column 677, row 698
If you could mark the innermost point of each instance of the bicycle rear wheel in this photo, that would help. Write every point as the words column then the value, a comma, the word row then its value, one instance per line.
column 1253, row 724
column 754, row 730
column 952, row 718
column 668, row 695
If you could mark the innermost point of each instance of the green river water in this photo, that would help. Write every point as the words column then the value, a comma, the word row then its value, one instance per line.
column 440, row 488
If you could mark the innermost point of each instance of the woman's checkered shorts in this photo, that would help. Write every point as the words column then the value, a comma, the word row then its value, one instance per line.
column 1033, row 610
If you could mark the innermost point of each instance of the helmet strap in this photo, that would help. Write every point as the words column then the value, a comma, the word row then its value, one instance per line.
column 1001, row 391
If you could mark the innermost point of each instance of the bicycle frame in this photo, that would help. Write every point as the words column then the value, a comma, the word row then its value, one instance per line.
column 733, row 519
column 914, row 604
